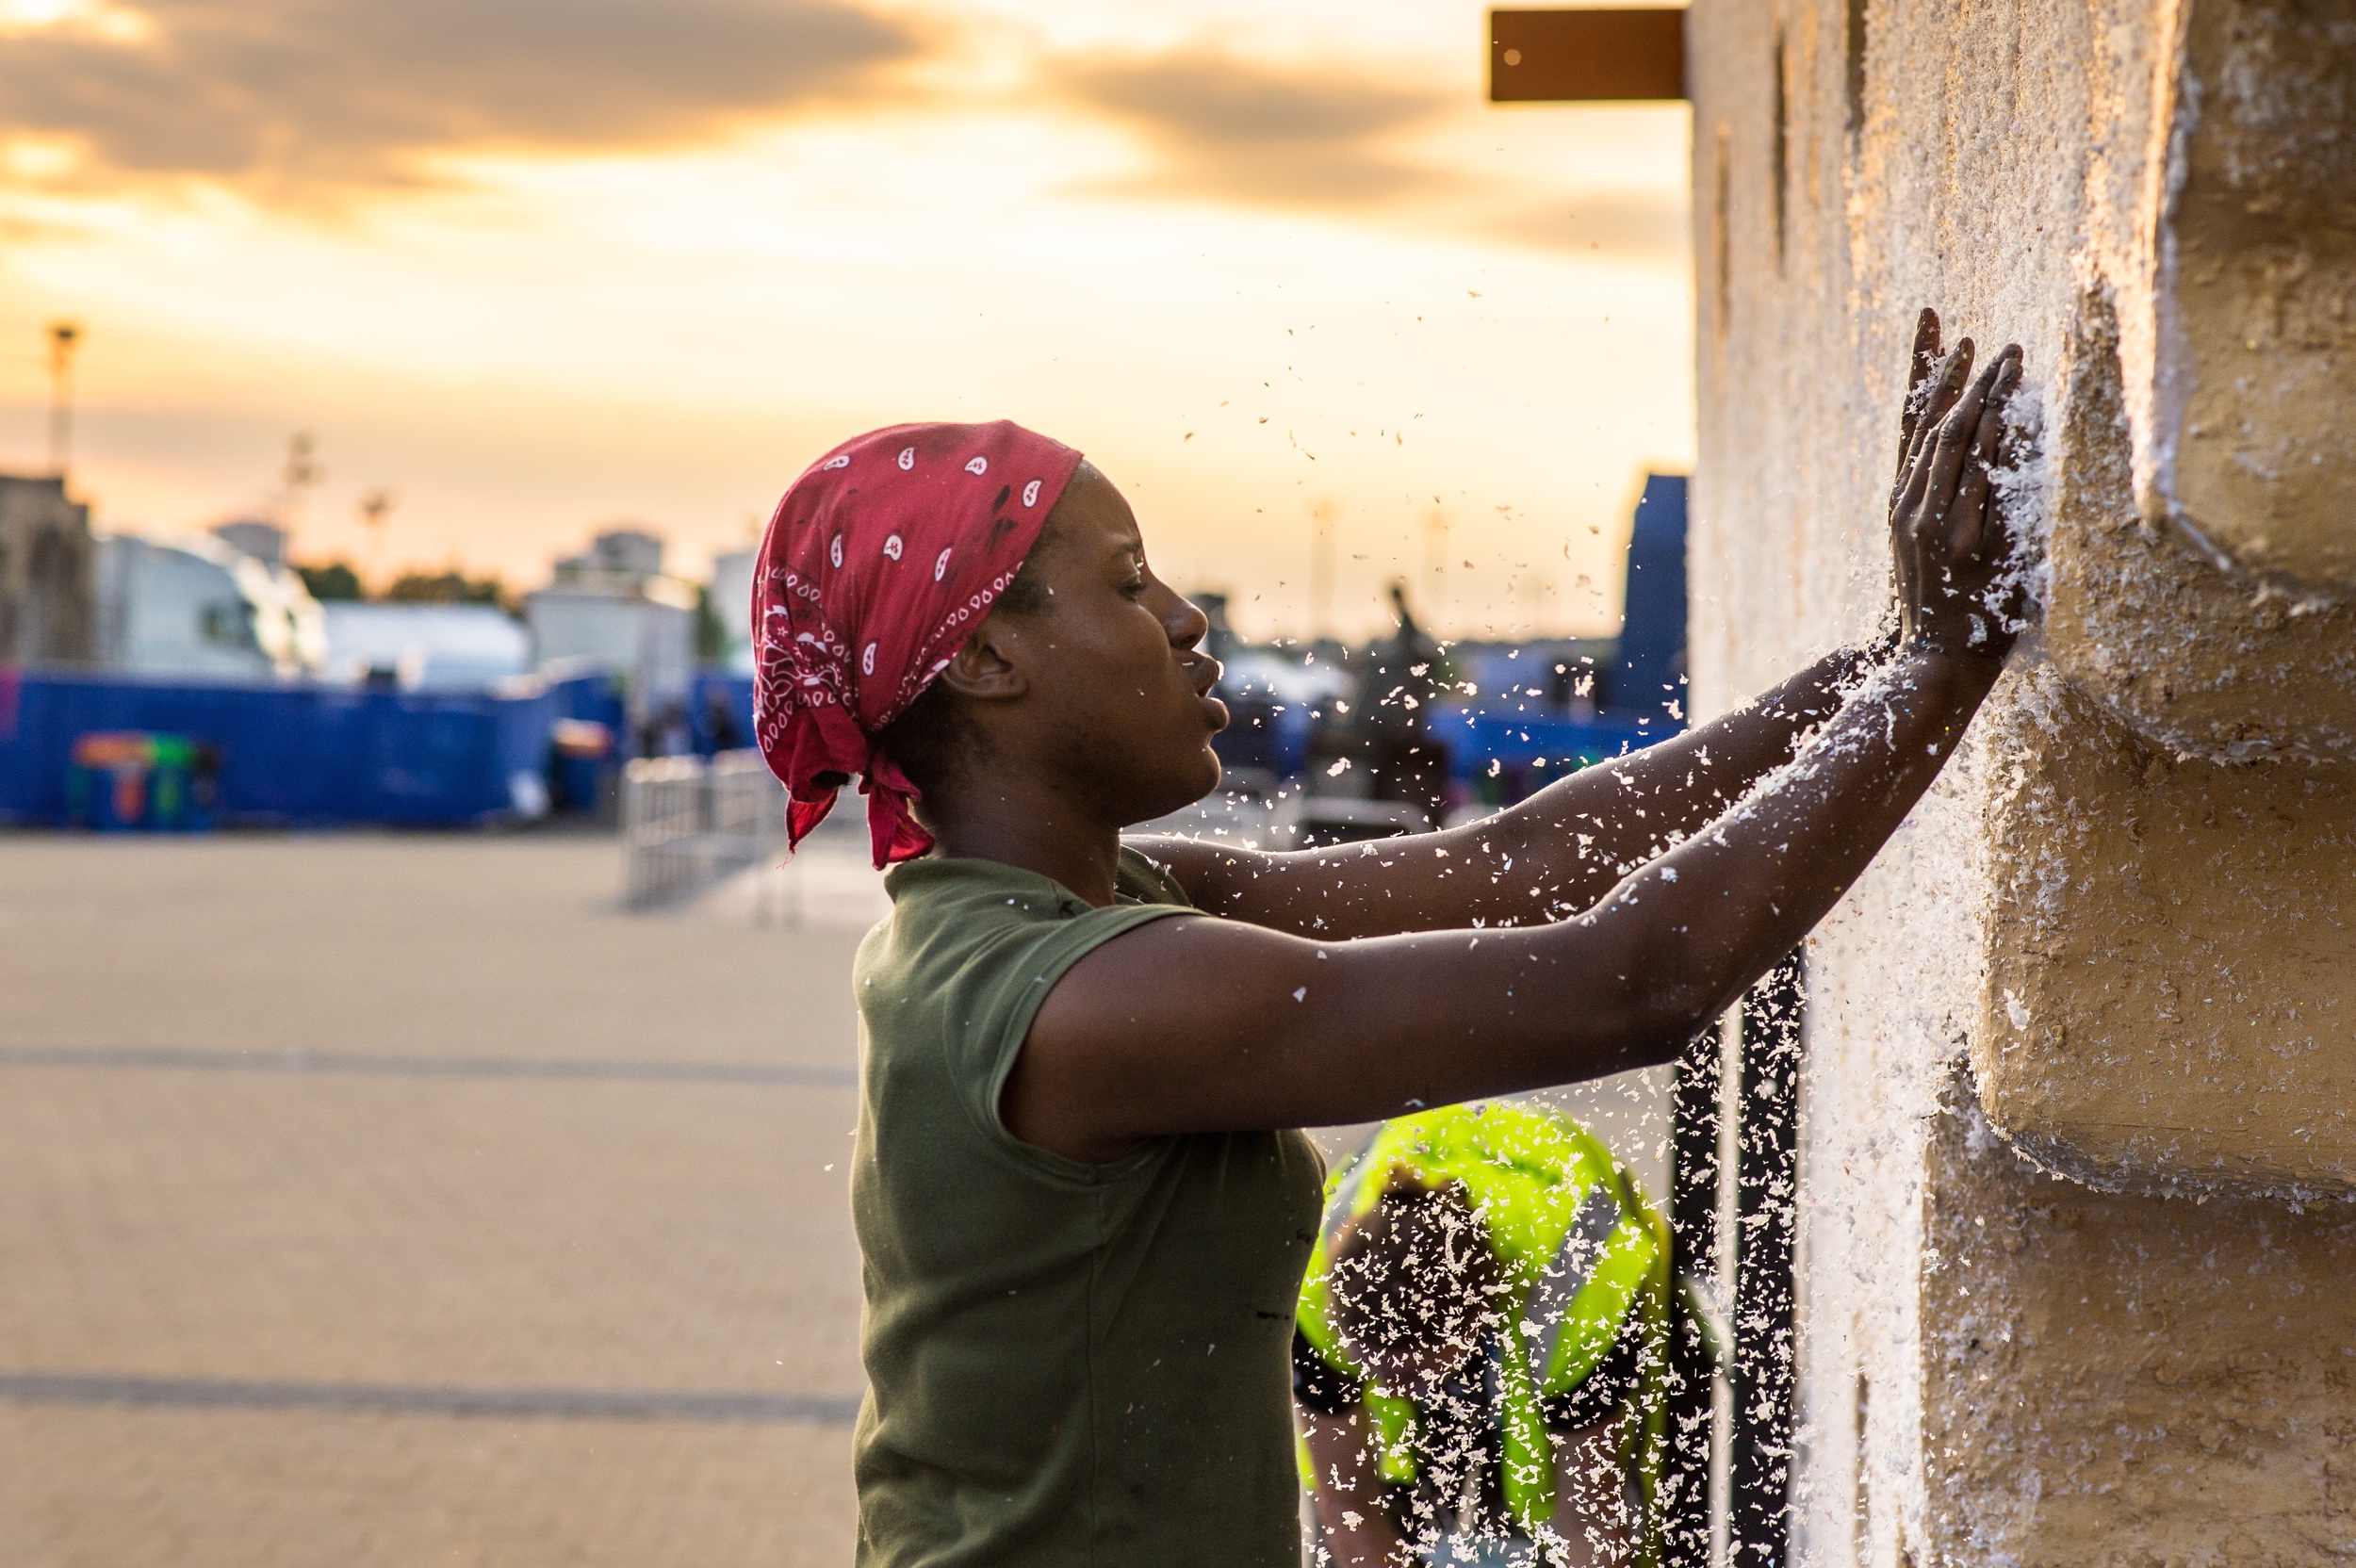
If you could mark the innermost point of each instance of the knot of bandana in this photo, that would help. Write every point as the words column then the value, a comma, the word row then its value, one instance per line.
column 878, row 564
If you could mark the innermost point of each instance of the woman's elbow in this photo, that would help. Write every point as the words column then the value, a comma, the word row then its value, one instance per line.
column 1667, row 997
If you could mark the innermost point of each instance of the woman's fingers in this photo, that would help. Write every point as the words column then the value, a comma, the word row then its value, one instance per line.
column 1967, row 532
column 1966, row 519
column 1921, row 455
column 1956, row 431
column 1952, row 372
column 1941, row 396
column 1919, row 370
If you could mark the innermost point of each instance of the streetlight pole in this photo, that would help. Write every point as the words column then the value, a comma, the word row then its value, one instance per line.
column 1435, row 559
column 1322, row 516
column 64, row 337
column 300, row 473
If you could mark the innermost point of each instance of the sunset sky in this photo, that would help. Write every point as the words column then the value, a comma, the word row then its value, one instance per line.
column 539, row 267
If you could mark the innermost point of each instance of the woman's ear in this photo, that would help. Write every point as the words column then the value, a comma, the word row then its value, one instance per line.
column 981, row 670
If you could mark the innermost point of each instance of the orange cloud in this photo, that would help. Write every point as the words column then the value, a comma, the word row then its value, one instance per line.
column 1255, row 133
column 1244, row 131
column 306, row 92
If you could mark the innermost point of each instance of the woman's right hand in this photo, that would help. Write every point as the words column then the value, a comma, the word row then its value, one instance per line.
column 1949, row 547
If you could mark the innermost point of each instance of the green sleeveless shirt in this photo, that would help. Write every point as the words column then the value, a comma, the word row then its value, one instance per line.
column 1067, row 1364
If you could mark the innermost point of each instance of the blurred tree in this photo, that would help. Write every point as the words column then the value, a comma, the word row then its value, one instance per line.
column 335, row 580
column 712, row 638
column 450, row 586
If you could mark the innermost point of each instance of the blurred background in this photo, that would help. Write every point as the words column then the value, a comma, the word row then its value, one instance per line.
column 423, row 1090
column 519, row 271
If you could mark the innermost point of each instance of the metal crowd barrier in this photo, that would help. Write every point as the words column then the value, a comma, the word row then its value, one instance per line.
column 688, row 824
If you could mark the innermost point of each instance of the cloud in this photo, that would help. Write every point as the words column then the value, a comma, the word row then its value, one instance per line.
column 300, row 92
column 1240, row 131
column 1261, row 134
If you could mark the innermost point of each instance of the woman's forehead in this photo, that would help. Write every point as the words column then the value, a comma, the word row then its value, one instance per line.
column 1096, row 516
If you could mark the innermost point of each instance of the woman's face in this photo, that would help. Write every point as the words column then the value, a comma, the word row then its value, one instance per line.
column 1117, row 702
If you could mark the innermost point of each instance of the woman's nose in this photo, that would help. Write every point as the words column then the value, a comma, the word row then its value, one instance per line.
column 1186, row 624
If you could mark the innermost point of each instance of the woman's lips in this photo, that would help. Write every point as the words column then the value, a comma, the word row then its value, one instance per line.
column 1218, row 711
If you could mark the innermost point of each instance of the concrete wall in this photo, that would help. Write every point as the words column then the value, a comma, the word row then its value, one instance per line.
column 2079, row 1119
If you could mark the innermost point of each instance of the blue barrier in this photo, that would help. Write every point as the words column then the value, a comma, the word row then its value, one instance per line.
column 583, row 775
column 714, row 692
column 595, row 696
column 1477, row 737
column 1503, row 756
column 295, row 755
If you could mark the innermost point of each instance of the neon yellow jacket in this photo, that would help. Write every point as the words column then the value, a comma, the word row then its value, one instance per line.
column 1581, row 1252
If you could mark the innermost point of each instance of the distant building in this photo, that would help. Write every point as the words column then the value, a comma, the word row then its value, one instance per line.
column 48, row 608
column 434, row 648
column 617, row 553
column 731, row 602
column 612, row 609
column 264, row 542
column 192, row 606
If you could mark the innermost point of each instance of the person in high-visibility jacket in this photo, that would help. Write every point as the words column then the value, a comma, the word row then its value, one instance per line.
column 1479, row 1347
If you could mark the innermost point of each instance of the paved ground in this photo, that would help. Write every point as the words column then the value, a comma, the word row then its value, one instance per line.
column 399, row 1201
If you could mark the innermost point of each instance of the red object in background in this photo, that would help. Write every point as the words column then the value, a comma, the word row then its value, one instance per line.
column 130, row 791
column 117, row 762
column 114, row 748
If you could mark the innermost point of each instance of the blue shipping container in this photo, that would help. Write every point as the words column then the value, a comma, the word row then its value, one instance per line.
column 292, row 755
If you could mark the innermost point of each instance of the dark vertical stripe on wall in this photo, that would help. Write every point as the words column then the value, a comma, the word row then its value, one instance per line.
column 1721, row 237
column 1853, row 73
column 1759, row 1465
column 1780, row 149
column 1693, row 1252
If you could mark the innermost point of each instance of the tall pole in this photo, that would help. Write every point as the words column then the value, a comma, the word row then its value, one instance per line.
column 1534, row 588
column 64, row 337
column 301, row 472
column 1435, row 559
column 1321, row 571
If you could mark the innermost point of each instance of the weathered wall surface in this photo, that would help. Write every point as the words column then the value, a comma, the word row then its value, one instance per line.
column 2115, row 1384
column 2121, row 936
column 2170, row 997
column 2202, row 657
column 2256, row 345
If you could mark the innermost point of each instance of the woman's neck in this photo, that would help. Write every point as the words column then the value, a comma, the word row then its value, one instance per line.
column 1029, row 828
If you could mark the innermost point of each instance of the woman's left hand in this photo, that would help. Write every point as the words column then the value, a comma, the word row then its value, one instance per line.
column 1949, row 546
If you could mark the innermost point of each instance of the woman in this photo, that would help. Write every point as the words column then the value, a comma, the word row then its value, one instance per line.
column 1083, row 1214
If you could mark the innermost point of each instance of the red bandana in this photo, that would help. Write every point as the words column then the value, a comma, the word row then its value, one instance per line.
column 879, row 563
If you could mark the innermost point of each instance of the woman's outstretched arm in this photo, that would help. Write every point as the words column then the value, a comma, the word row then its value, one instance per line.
column 1208, row 1024
column 1565, row 846
column 1549, row 856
